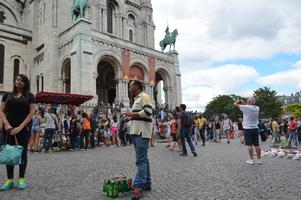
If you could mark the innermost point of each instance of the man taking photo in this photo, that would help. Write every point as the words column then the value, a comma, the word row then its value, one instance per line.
column 250, row 126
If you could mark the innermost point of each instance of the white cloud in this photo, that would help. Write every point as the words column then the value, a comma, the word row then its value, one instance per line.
column 204, row 84
column 290, row 77
column 217, row 31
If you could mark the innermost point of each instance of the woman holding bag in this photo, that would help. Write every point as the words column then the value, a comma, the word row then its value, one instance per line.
column 16, row 111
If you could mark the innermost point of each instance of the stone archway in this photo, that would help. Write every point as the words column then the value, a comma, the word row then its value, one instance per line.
column 162, row 89
column 66, row 75
column 106, row 81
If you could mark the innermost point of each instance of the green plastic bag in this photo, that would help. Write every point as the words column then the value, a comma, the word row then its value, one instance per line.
column 11, row 154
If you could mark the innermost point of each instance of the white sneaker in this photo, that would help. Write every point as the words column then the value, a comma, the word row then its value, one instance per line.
column 259, row 162
column 250, row 162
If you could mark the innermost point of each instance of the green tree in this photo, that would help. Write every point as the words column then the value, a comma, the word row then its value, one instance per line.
column 223, row 104
column 295, row 109
column 269, row 105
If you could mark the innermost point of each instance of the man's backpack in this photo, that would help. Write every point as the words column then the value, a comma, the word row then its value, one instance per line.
column 187, row 120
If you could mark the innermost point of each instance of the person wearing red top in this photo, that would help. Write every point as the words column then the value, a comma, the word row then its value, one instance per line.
column 292, row 132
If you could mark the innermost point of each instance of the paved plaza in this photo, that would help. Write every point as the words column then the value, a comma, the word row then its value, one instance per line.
column 219, row 172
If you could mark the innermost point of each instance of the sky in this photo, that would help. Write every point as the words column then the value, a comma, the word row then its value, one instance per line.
column 233, row 46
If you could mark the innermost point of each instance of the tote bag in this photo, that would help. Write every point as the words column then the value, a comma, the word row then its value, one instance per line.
column 11, row 154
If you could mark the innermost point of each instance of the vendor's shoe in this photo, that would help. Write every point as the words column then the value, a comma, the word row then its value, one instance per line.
column 136, row 194
column 9, row 183
column 22, row 185
column 194, row 154
column 148, row 187
column 183, row 154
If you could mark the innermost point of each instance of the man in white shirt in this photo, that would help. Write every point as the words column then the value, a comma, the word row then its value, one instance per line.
column 250, row 126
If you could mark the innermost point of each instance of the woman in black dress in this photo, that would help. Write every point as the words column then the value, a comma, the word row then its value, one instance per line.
column 16, row 112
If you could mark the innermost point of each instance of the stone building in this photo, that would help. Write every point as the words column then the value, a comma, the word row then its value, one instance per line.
column 97, row 54
column 292, row 99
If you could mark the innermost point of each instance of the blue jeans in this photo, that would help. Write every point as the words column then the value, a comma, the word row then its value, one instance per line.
column 142, row 164
column 185, row 133
column 292, row 135
column 49, row 132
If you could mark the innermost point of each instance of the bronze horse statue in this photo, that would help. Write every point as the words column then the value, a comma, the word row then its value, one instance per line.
column 78, row 9
column 169, row 39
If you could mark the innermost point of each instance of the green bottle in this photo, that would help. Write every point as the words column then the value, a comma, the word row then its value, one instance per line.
column 109, row 189
column 114, row 190
column 104, row 187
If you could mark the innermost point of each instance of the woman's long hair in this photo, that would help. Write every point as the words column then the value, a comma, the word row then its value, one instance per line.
column 26, row 89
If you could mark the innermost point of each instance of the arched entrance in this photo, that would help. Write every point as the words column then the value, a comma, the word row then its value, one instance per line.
column 161, row 88
column 105, row 82
column 66, row 76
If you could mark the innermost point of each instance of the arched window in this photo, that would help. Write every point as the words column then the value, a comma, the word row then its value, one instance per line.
column 38, row 83
column 2, row 54
column 131, row 25
column 131, row 35
column 16, row 68
column 42, row 83
column 110, row 17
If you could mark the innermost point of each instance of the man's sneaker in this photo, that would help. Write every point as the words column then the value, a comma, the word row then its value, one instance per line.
column 194, row 154
column 22, row 185
column 136, row 194
column 183, row 154
column 148, row 187
column 250, row 162
column 259, row 162
column 8, row 184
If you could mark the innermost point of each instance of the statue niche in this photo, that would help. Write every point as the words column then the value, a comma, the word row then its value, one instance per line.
column 78, row 9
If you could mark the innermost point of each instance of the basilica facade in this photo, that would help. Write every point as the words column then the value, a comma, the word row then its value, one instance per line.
column 96, row 53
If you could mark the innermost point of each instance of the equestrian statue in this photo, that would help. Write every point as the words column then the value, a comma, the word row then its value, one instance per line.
column 78, row 9
column 169, row 39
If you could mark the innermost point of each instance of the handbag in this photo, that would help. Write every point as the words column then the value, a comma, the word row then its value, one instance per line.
column 11, row 154
column 263, row 136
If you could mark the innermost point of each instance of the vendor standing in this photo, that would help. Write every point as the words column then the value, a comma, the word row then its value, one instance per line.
column 140, row 131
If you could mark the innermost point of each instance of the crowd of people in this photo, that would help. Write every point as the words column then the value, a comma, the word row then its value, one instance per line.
column 42, row 128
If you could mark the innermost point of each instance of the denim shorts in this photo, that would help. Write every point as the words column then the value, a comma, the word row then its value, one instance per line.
column 251, row 137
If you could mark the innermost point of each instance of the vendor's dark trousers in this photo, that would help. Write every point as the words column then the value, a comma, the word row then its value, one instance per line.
column 122, row 137
column 202, row 134
column 84, row 139
column 185, row 134
column 73, row 141
column 23, row 139
column 48, row 135
column 92, row 139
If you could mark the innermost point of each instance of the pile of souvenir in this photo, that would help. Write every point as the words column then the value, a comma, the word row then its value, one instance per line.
column 118, row 185
column 282, row 153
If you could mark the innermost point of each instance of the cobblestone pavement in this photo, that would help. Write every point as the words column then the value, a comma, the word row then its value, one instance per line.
column 219, row 172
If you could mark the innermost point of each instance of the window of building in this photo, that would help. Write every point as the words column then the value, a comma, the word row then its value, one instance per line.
column 38, row 83
column 131, row 35
column 2, row 54
column 16, row 68
column 42, row 83
column 110, row 17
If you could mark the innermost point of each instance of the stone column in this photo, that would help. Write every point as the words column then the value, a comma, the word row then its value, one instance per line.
column 165, row 89
column 81, row 58
column 126, row 100
column 177, row 80
column 104, row 21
